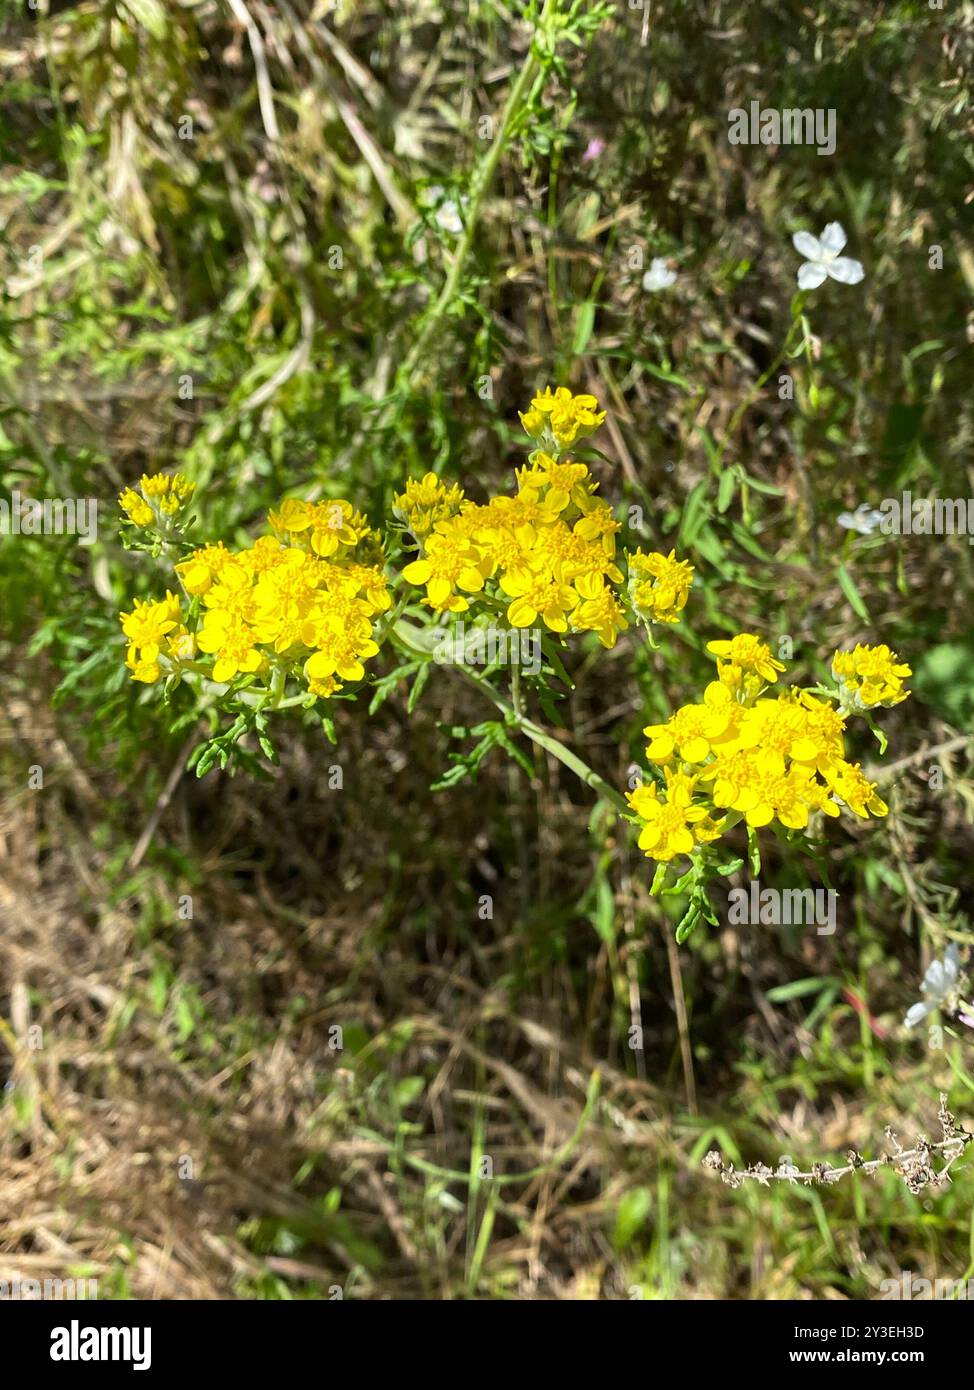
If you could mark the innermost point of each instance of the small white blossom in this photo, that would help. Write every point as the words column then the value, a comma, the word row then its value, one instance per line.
column 864, row 519
column 939, row 983
column 447, row 214
column 823, row 259
column 658, row 276
column 448, row 218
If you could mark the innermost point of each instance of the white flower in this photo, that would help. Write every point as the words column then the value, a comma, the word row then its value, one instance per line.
column 447, row 210
column 822, row 257
column 939, row 983
column 448, row 218
column 864, row 519
column 658, row 276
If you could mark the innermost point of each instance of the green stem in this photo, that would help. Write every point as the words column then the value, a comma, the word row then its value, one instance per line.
column 277, row 686
column 574, row 763
column 389, row 620
column 404, row 634
column 479, row 187
column 256, row 697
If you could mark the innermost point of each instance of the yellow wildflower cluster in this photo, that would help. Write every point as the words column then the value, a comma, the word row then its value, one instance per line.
column 306, row 595
column 742, row 754
column 558, row 419
column 331, row 530
column 300, row 601
column 550, row 549
column 425, row 502
column 547, row 553
column 161, row 496
column 658, row 586
column 745, row 664
column 672, row 824
column 156, row 634
column 869, row 677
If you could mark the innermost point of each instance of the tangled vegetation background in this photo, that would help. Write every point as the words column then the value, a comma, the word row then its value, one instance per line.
column 312, row 249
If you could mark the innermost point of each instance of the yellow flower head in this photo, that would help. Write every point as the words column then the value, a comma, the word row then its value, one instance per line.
column 162, row 495
column 869, row 676
column 169, row 492
column 600, row 528
column 556, row 485
column 532, row 595
column 783, row 729
column 136, row 508
column 231, row 641
column 658, row 586
column 323, row 687
column 745, row 664
column 265, row 554
column 744, row 781
column 559, row 419
column 150, row 627
column 850, row 785
column 450, row 562
column 281, row 600
column 825, row 727
column 292, row 517
column 369, row 583
column 198, row 571
column 425, row 502
column 149, row 622
column 599, row 611
column 340, row 654
column 336, row 528
column 331, row 529
column 672, row 824
column 695, row 731
column 181, row 645
column 144, row 670
column 232, row 591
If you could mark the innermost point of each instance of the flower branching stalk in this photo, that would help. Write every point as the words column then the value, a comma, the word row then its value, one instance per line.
column 414, row 641
column 916, row 1166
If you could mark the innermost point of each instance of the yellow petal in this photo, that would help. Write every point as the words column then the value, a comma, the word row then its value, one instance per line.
column 521, row 614
column 319, row 665
column 417, row 572
column 589, row 585
column 515, row 583
column 470, row 579
column 661, row 748
column 649, row 836
column 439, row 589
column 694, row 750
